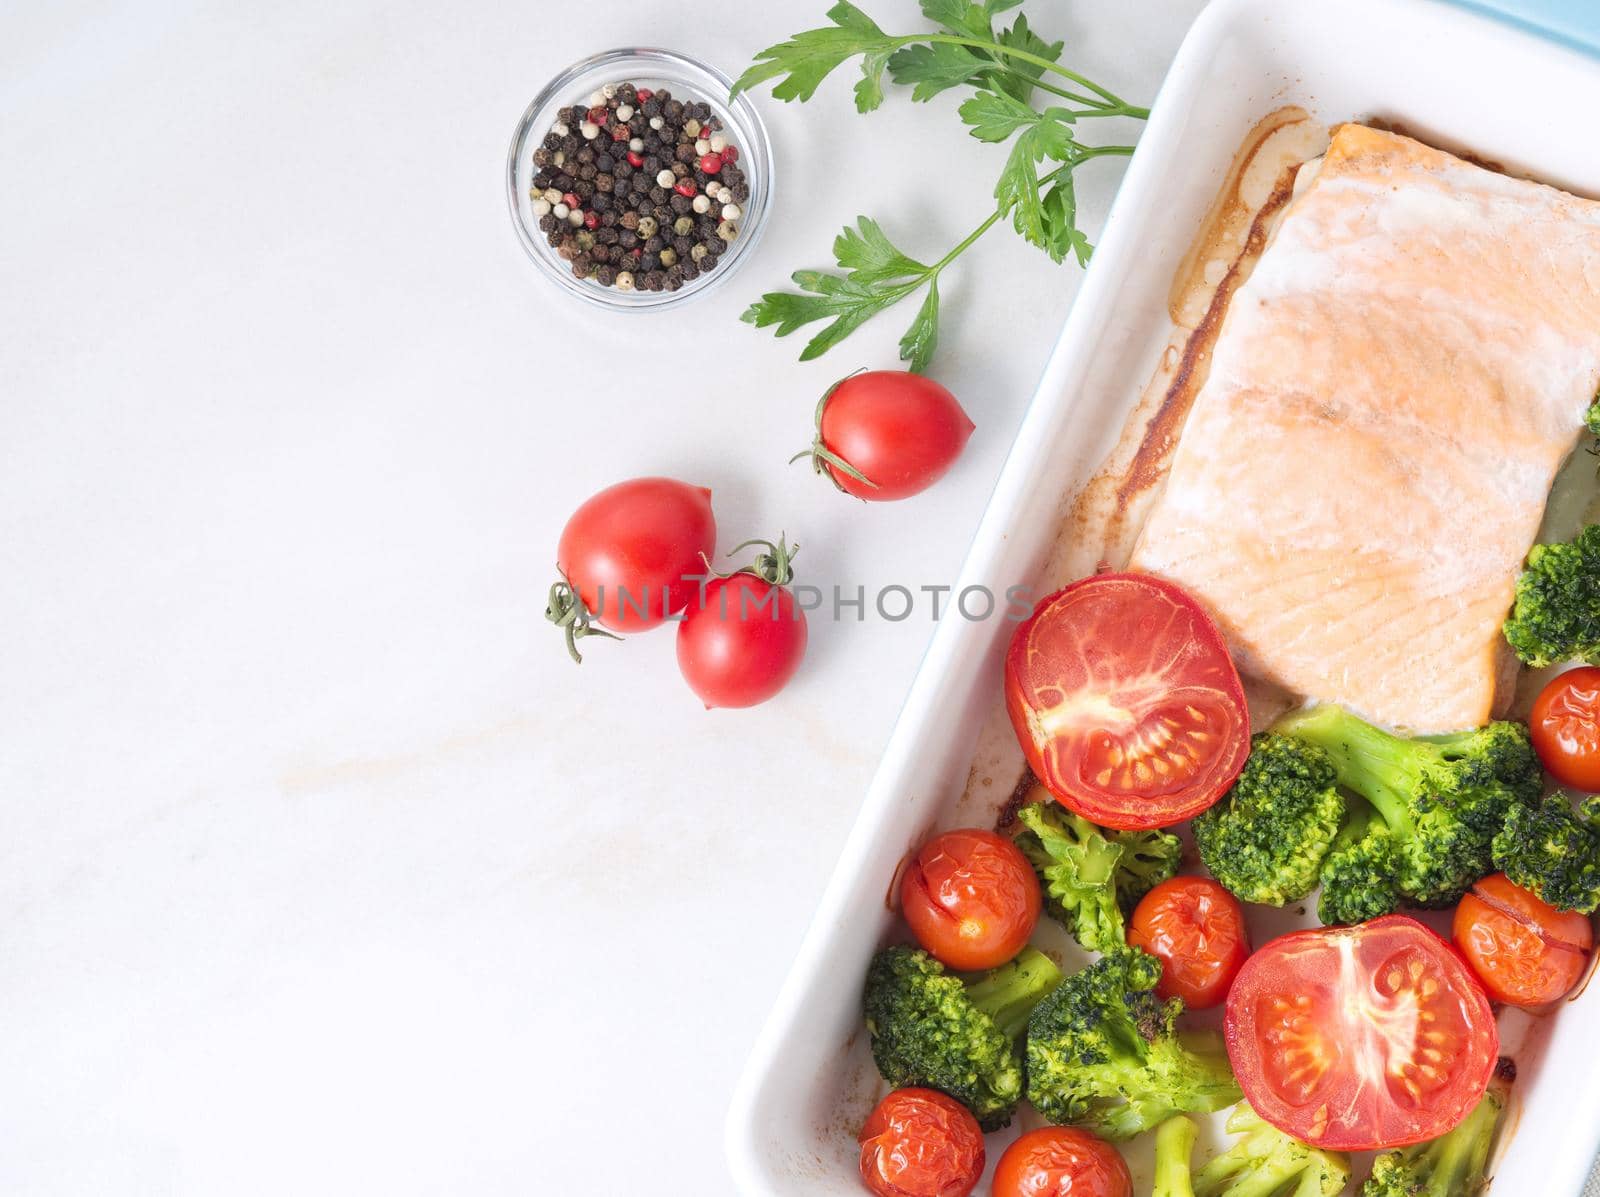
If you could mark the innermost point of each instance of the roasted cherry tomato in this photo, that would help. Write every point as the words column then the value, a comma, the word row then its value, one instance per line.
column 1126, row 702
column 1361, row 1038
column 1566, row 728
column 633, row 552
column 971, row 897
column 1196, row 929
column 1061, row 1161
column 743, row 637
column 887, row 434
column 1525, row 951
column 920, row 1143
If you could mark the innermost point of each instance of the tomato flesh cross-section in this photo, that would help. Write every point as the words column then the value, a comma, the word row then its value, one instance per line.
column 1126, row 703
column 1361, row 1038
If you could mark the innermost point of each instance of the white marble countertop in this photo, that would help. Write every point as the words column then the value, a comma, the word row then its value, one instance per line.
column 321, row 870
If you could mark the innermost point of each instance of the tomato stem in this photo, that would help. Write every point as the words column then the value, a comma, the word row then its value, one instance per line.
column 565, row 608
column 821, row 456
column 773, row 566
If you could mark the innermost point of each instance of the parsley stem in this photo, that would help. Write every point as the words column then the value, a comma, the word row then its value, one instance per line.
column 1099, row 107
column 1084, row 153
column 966, row 244
column 1120, row 106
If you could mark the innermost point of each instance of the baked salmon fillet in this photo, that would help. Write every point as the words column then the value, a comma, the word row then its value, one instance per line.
column 1390, row 396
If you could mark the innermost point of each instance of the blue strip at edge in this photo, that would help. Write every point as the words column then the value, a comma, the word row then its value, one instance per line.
column 1574, row 22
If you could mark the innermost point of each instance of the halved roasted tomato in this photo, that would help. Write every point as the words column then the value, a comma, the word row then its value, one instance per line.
column 1126, row 702
column 1361, row 1038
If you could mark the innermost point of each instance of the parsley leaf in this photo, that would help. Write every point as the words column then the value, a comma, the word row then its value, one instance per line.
column 995, row 116
column 922, row 338
column 1059, row 214
column 934, row 68
column 870, row 256
column 807, row 58
column 879, row 276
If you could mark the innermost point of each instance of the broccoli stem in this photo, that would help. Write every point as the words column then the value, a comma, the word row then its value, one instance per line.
column 1174, row 1150
column 1009, row 993
column 1463, row 1154
column 1364, row 758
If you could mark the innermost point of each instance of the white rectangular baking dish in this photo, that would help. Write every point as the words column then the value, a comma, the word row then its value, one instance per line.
column 1460, row 80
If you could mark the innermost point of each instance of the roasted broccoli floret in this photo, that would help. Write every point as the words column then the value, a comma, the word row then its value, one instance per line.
column 1452, row 1165
column 1554, row 850
column 962, row 1036
column 1442, row 799
column 1556, row 615
column 1264, row 1162
column 1359, row 875
column 1102, row 1052
column 1267, row 838
column 1091, row 877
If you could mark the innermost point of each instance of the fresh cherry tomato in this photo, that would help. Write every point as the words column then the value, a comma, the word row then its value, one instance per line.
column 1126, row 702
column 1525, row 951
column 1061, row 1161
column 921, row 1143
column 971, row 897
column 744, row 635
column 887, row 434
column 1361, row 1038
column 1566, row 728
column 633, row 551
column 1196, row 929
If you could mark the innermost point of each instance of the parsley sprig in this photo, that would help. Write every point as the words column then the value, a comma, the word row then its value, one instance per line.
column 1005, row 68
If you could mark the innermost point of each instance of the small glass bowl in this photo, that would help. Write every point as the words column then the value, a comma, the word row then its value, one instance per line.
column 687, row 79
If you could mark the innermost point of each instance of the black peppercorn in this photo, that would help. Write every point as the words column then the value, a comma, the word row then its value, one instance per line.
column 548, row 223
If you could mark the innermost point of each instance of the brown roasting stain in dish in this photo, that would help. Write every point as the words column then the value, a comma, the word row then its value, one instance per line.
column 1162, row 432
